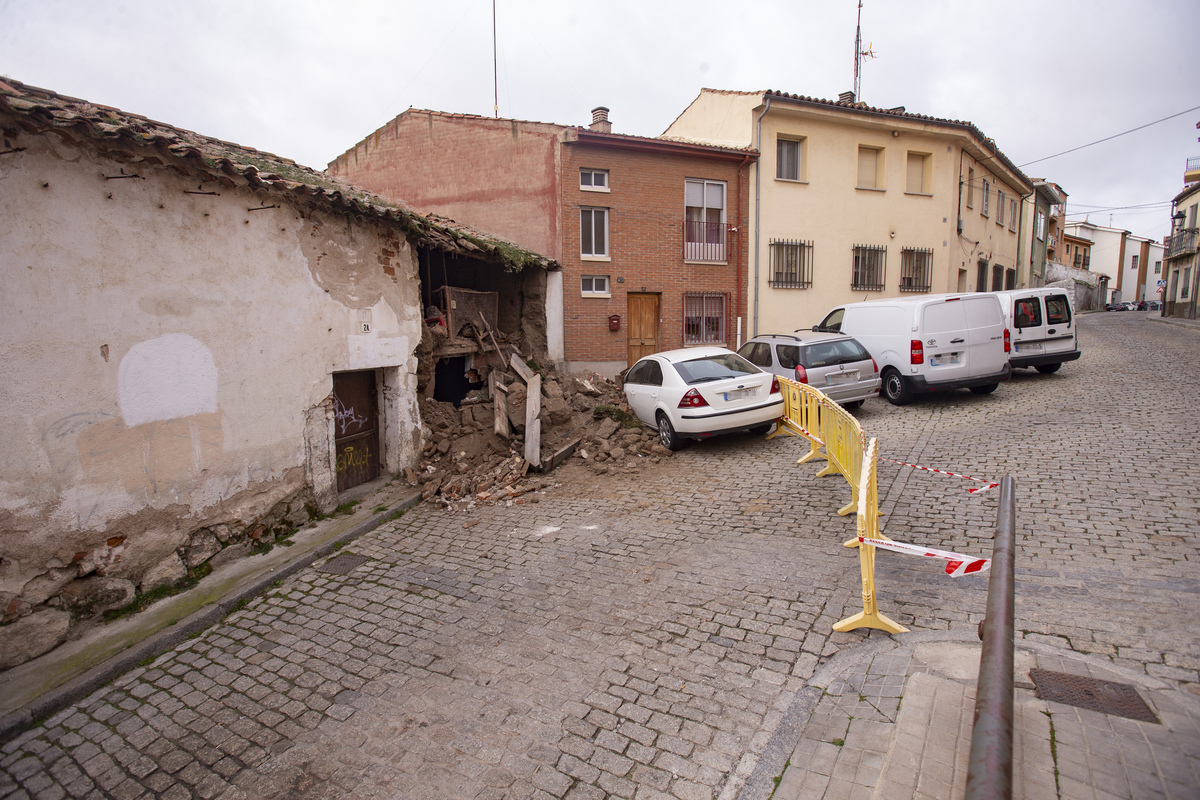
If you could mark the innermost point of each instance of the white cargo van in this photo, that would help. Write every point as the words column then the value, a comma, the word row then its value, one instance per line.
column 1042, row 322
column 930, row 343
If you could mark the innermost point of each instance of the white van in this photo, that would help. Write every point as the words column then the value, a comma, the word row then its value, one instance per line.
column 1042, row 322
column 930, row 343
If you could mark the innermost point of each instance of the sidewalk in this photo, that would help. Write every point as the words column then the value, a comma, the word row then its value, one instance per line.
column 892, row 718
column 78, row 667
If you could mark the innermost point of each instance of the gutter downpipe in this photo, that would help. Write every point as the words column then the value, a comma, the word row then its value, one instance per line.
column 738, row 262
column 757, row 207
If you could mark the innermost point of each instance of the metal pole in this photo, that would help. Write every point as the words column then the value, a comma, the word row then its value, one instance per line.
column 989, row 773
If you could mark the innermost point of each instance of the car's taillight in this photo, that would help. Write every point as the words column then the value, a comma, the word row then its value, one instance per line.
column 801, row 374
column 692, row 400
column 774, row 385
column 916, row 353
column 1007, row 341
column 874, row 366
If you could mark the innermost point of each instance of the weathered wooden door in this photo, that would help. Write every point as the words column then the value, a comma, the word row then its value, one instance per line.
column 642, row 310
column 355, row 433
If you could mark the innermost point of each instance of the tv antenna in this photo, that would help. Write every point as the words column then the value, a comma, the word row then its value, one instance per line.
column 496, row 72
column 860, row 54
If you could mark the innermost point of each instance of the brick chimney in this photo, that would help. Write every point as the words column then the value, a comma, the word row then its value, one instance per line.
column 846, row 97
column 600, row 121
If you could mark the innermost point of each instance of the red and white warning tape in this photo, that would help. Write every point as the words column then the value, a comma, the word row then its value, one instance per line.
column 957, row 564
column 990, row 484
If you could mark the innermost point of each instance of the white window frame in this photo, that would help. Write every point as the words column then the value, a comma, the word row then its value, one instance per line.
column 781, row 143
column 594, row 212
column 1000, row 207
column 1012, row 214
column 588, row 286
column 1039, row 225
column 592, row 173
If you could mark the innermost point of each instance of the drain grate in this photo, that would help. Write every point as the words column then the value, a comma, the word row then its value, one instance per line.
column 1118, row 699
column 344, row 564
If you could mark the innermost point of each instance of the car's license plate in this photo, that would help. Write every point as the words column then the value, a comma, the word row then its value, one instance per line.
column 738, row 394
column 841, row 377
column 943, row 359
column 1030, row 347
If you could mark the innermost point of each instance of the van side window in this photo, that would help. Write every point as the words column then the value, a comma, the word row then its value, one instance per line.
column 1027, row 313
column 1058, row 310
column 833, row 322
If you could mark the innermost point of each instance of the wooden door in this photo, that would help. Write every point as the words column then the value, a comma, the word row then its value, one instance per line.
column 642, row 311
column 355, row 431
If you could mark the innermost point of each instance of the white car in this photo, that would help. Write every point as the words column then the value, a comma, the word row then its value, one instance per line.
column 700, row 392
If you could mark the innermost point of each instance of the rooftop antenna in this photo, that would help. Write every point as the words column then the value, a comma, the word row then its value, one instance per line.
column 859, row 54
column 495, row 78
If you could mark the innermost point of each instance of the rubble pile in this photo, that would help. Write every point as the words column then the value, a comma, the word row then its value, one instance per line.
column 584, row 418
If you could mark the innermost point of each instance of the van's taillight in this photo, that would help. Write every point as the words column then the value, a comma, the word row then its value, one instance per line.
column 692, row 400
column 801, row 374
column 775, row 385
column 1007, row 341
column 916, row 353
column 874, row 366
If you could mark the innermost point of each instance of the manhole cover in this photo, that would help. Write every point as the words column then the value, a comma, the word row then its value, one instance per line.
column 1119, row 699
column 344, row 564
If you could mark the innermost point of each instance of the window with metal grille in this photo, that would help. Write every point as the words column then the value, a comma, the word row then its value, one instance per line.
column 916, row 270
column 791, row 264
column 869, row 263
column 704, row 317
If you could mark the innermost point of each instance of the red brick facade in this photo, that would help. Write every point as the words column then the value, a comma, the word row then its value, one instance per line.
column 521, row 180
column 646, row 242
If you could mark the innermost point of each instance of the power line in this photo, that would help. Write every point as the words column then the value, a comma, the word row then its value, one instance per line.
column 1107, row 138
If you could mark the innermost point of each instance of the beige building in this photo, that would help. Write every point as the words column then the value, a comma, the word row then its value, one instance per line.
column 851, row 202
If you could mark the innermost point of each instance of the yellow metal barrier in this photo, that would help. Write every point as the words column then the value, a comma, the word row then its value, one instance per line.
column 868, row 527
column 832, row 431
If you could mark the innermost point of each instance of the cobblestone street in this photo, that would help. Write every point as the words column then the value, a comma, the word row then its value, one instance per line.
column 641, row 636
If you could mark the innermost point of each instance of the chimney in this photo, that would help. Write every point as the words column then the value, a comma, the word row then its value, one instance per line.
column 846, row 97
column 600, row 121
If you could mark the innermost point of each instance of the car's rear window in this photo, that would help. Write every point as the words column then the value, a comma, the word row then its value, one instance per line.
column 841, row 351
column 714, row 368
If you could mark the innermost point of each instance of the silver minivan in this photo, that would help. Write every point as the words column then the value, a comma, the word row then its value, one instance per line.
column 833, row 362
column 1042, row 322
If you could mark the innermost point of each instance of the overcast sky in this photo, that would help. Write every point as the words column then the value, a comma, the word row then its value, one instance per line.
column 307, row 79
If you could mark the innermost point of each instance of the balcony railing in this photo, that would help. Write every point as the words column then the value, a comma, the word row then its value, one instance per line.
column 705, row 241
column 1052, row 242
column 1193, row 163
column 1182, row 243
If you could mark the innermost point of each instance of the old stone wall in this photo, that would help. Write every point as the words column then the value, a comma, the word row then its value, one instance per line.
column 169, row 350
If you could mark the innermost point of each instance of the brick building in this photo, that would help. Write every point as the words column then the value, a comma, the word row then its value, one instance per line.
column 648, row 231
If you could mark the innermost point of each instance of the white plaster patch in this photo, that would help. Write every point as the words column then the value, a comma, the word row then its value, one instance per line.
column 547, row 530
column 166, row 378
column 370, row 352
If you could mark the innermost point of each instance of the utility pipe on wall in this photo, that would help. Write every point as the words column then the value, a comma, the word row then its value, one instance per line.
column 757, row 212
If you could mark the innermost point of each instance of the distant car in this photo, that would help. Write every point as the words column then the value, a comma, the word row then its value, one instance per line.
column 833, row 362
column 1115, row 307
column 699, row 392
column 1130, row 305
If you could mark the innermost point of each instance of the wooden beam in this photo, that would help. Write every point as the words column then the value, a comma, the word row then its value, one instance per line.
column 533, row 425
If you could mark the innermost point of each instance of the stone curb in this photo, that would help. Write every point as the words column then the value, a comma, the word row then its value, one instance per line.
column 761, row 783
column 79, row 687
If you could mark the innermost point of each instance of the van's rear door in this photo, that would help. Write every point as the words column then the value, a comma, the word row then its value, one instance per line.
column 1060, row 324
column 944, row 340
column 1028, row 324
column 985, row 333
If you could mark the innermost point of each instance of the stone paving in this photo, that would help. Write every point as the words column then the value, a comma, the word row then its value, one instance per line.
column 644, row 637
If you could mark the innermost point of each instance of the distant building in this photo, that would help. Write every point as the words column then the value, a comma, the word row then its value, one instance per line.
column 1127, row 261
column 1035, row 244
column 650, row 232
column 1182, row 265
column 853, row 202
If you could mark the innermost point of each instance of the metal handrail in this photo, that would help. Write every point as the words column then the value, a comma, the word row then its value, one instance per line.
column 989, row 771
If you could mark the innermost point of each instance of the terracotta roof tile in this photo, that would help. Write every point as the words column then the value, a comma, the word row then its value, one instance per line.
column 32, row 110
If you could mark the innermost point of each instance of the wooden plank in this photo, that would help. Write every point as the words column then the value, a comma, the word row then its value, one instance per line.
column 533, row 425
column 522, row 369
column 500, row 413
column 561, row 456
